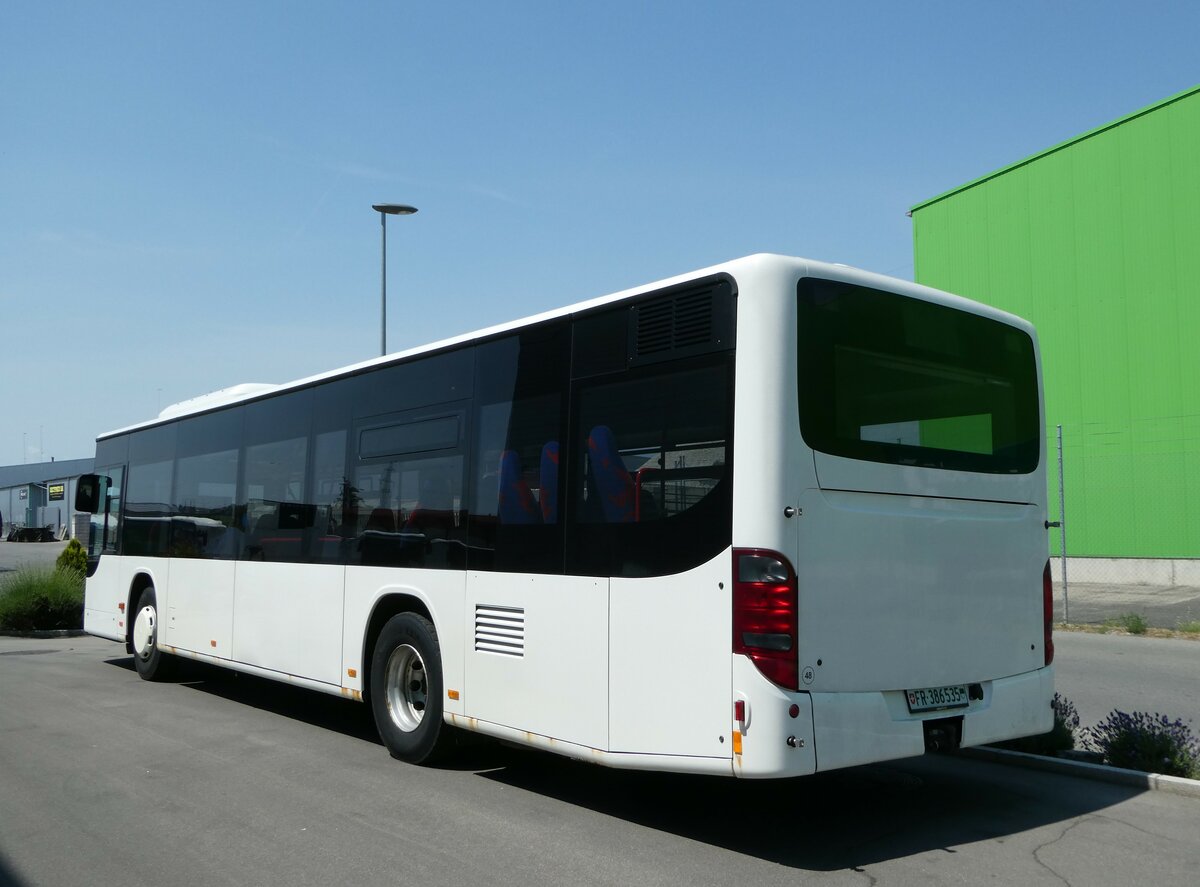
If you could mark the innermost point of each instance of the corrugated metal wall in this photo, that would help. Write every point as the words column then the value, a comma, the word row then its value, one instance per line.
column 1097, row 241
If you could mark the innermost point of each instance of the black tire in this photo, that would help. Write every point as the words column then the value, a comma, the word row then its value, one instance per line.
column 406, row 690
column 151, row 662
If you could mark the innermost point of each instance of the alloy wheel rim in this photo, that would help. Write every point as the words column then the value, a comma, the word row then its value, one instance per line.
column 407, row 688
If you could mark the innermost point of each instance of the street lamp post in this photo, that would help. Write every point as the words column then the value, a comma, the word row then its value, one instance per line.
column 385, row 210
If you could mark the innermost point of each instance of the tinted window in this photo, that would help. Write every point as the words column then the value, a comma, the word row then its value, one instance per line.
column 441, row 378
column 407, row 508
column 206, row 463
column 210, row 433
column 202, row 524
column 650, row 460
column 276, row 513
column 273, row 512
column 601, row 343
column 153, row 445
column 516, row 514
column 332, row 492
column 334, row 501
column 148, row 509
column 279, row 418
column 887, row 378
column 148, row 494
column 425, row 436
column 409, row 512
column 113, row 450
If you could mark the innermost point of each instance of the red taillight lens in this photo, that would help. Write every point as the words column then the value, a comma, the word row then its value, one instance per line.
column 765, row 617
column 1048, row 613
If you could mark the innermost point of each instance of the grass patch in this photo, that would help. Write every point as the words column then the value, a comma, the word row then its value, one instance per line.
column 41, row 599
column 1134, row 623
column 1094, row 628
column 1192, row 626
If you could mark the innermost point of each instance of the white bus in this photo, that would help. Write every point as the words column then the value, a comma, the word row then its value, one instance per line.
column 764, row 519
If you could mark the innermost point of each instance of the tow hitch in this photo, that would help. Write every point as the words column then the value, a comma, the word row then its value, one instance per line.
column 943, row 734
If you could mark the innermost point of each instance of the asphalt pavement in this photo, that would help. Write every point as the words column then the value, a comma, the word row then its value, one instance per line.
column 109, row 780
column 1102, row 672
column 14, row 555
column 1162, row 606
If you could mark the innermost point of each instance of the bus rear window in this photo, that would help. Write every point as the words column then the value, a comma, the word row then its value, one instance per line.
column 888, row 378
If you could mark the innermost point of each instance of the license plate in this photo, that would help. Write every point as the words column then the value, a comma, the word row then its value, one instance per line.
column 935, row 698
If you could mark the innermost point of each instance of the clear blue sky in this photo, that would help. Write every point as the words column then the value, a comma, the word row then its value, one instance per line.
column 186, row 188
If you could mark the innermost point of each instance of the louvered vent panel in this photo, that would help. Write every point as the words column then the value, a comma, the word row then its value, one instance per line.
column 683, row 321
column 500, row 630
column 654, row 332
column 693, row 320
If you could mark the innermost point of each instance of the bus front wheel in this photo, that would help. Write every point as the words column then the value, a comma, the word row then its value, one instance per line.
column 152, row 663
column 406, row 689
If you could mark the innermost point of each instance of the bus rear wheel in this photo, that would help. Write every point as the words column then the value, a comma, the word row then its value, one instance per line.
column 406, row 689
column 151, row 662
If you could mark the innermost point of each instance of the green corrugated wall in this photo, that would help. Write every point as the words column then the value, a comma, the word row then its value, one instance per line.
column 1097, row 241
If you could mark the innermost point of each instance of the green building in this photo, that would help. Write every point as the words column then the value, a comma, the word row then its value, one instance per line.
column 1097, row 241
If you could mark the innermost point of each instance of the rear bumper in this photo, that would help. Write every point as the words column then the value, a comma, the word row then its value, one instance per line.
column 858, row 728
column 790, row 734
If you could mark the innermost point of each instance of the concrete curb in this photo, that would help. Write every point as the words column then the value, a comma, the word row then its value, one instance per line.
column 55, row 633
column 1116, row 775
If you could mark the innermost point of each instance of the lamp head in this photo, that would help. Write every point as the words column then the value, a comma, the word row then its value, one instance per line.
column 394, row 209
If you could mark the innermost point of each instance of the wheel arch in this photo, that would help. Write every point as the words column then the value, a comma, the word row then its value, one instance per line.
column 388, row 605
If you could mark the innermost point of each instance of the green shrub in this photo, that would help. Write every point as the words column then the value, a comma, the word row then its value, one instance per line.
column 1061, row 736
column 73, row 557
column 1191, row 626
column 41, row 599
column 1150, row 743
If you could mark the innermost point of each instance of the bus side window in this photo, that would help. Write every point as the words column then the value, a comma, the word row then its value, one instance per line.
column 435, row 512
column 548, row 482
column 410, row 512
column 610, row 482
column 516, row 502
column 514, row 521
column 650, row 450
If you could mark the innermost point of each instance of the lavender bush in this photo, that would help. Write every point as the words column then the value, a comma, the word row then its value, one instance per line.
column 1151, row 743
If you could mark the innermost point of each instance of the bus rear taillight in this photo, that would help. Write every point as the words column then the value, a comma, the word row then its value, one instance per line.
column 1048, row 614
column 765, row 617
